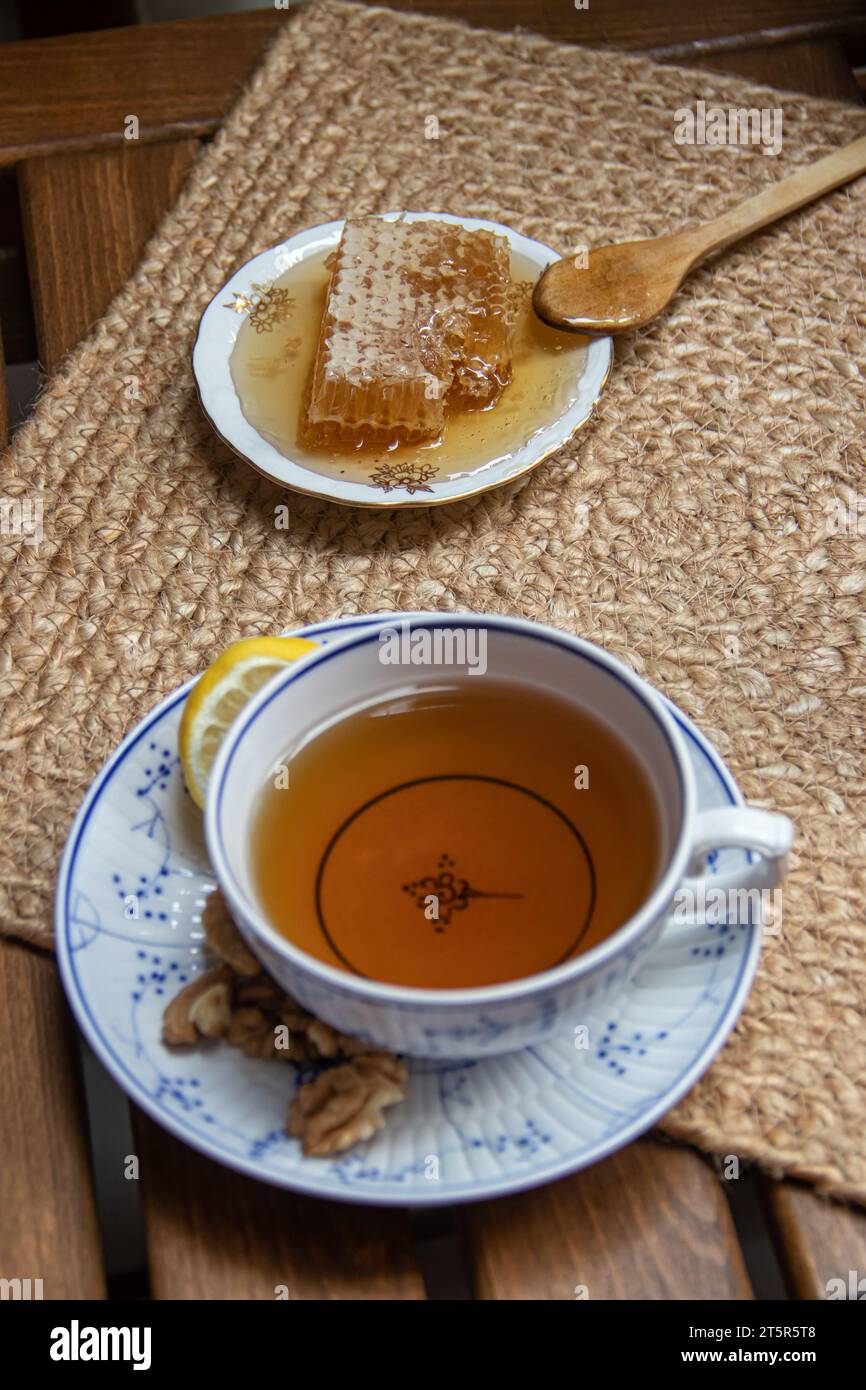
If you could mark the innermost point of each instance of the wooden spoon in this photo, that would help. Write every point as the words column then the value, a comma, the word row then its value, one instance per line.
column 625, row 285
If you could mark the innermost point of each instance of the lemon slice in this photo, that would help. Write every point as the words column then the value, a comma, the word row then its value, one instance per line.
column 219, row 695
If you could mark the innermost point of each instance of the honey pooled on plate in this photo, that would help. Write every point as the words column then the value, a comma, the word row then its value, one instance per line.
column 419, row 318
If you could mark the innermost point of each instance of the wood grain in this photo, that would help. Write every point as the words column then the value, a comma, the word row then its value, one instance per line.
column 816, row 1240
column 48, row 1227
column 86, row 220
column 180, row 78
column 818, row 67
column 211, row 1233
column 652, row 1222
column 77, row 90
column 214, row 1234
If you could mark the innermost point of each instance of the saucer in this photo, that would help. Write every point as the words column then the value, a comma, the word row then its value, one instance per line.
column 132, row 885
column 250, row 291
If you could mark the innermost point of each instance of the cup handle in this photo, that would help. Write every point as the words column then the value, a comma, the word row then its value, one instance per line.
column 740, row 827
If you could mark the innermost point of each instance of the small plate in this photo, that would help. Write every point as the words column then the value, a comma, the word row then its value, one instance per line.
column 218, row 332
column 467, row 1130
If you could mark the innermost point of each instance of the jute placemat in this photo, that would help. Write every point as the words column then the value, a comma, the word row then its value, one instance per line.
column 692, row 529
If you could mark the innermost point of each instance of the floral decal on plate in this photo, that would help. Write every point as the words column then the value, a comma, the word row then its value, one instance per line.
column 265, row 305
column 414, row 477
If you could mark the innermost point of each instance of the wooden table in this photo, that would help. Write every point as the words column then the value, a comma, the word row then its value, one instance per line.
column 77, row 203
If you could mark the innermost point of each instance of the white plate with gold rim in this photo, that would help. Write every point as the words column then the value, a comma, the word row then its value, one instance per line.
column 253, row 354
column 467, row 1130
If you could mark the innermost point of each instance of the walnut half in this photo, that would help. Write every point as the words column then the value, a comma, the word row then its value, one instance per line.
column 256, row 1033
column 327, row 1042
column 344, row 1104
column 224, row 938
column 203, row 1009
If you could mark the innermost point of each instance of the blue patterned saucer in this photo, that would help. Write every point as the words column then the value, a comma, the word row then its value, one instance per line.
column 132, row 885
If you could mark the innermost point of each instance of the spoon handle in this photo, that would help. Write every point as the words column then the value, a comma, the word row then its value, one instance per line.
column 779, row 199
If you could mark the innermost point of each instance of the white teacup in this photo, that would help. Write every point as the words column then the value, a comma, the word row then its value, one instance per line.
column 476, row 1022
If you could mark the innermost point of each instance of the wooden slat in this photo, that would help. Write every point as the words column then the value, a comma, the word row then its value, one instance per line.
column 213, row 1234
column 180, row 78
column 818, row 67
column 77, row 90
column 48, row 1227
column 816, row 1241
column 86, row 219
column 652, row 1222
column 210, row 1233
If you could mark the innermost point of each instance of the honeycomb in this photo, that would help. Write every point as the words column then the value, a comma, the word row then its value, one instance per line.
column 419, row 319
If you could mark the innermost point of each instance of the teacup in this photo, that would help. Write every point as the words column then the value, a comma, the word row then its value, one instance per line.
column 478, row 1022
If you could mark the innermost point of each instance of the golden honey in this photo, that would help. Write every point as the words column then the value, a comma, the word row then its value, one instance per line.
column 272, row 365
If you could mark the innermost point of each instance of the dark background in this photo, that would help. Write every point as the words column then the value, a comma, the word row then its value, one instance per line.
column 31, row 19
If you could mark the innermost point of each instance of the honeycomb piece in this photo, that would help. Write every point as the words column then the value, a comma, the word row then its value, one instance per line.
column 419, row 316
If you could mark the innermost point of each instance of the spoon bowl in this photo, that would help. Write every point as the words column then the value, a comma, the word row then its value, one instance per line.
column 614, row 288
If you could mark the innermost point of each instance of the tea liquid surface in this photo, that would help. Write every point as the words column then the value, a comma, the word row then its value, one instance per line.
column 448, row 837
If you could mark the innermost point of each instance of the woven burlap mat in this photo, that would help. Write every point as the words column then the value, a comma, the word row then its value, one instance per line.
column 713, row 560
